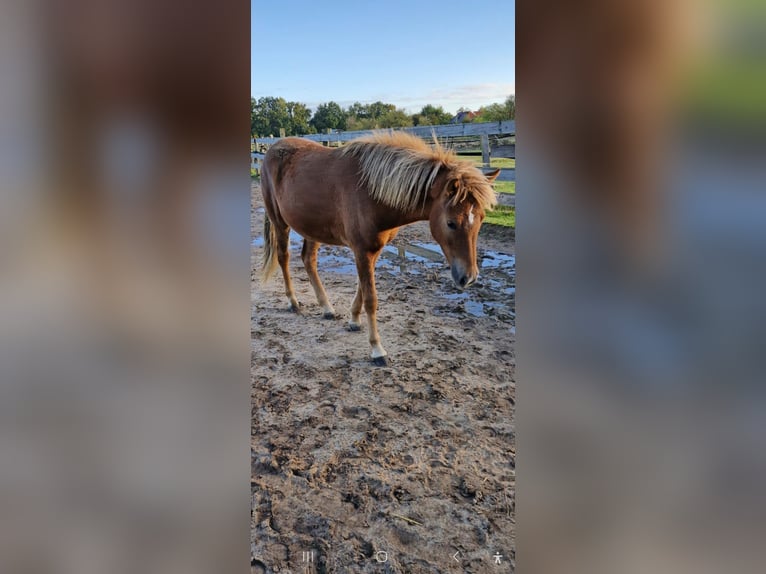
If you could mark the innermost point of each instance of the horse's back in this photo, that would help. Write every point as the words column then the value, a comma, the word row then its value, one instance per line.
column 281, row 158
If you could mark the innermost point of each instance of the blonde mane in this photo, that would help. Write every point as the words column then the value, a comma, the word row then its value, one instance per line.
column 398, row 169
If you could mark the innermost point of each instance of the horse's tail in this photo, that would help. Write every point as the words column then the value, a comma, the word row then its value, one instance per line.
column 270, row 258
column 269, row 250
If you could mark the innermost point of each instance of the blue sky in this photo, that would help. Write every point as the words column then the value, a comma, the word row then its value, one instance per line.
column 405, row 52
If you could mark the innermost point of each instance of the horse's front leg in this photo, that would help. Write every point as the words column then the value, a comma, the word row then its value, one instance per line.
column 365, row 265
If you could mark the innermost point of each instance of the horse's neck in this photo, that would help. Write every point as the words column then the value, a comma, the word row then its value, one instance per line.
column 387, row 217
column 422, row 213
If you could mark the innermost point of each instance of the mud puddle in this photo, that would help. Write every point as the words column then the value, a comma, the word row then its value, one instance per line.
column 493, row 294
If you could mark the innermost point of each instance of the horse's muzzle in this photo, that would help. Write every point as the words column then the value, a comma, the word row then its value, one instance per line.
column 462, row 279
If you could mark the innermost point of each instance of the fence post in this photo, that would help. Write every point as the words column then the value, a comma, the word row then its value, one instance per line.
column 281, row 132
column 485, row 150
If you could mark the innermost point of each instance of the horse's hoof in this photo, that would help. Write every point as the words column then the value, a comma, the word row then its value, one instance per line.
column 380, row 361
column 353, row 327
column 293, row 309
column 329, row 315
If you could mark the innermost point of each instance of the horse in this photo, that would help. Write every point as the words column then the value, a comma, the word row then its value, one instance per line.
column 359, row 195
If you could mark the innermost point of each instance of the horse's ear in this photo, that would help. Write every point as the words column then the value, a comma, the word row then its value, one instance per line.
column 492, row 175
column 453, row 184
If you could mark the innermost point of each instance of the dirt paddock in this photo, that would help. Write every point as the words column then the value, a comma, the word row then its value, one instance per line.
column 357, row 468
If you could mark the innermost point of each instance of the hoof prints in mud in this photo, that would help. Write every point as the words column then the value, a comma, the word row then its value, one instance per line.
column 413, row 459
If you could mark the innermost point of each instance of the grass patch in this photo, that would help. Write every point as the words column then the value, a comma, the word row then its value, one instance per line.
column 504, row 215
column 494, row 162
column 505, row 186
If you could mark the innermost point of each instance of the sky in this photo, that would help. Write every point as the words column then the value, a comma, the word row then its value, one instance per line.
column 405, row 52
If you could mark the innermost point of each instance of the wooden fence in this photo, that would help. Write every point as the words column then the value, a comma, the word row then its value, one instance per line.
column 457, row 135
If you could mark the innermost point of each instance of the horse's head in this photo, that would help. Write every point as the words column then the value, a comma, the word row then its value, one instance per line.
column 460, row 199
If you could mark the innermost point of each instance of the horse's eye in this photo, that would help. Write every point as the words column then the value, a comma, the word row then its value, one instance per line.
column 451, row 225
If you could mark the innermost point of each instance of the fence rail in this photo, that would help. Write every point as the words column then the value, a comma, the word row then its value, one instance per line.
column 443, row 131
column 479, row 131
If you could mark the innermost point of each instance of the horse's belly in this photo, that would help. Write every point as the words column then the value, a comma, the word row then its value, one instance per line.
column 327, row 239
column 315, row 226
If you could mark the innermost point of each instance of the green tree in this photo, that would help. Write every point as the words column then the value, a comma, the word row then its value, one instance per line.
column 396, row 118
column 358, row 117
column 355, row 123
column 377, row 110
column 431, row 116
column 510, row 107
column 299, row 116
column 357, row 110
column 253, row 131
column 498, row 112
column 376, row 115
column 329, row 115
column 268, row 115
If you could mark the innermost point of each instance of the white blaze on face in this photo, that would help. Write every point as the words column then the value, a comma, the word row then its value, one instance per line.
column 470, row 217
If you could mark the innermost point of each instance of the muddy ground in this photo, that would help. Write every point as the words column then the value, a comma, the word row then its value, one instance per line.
column 385, row 469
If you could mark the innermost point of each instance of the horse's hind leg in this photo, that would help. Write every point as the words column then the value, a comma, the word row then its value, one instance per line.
column 283, row 255
column 309, row 256
column 355, row 323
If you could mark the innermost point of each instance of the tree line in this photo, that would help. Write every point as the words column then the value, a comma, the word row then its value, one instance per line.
column 268, row 115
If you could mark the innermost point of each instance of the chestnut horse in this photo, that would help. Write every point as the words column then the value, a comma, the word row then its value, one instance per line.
column 359, row 196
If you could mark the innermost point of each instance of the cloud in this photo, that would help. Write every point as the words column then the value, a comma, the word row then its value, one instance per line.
column 471, row 96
